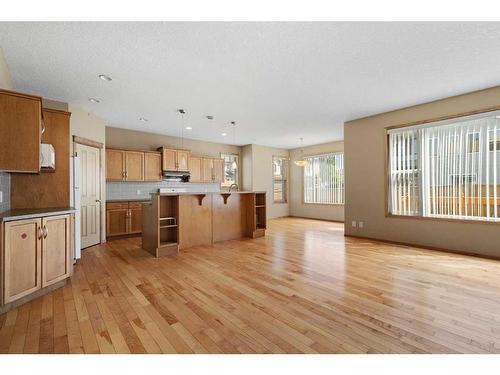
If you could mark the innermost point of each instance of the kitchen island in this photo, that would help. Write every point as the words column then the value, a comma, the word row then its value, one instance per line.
column 175, row 221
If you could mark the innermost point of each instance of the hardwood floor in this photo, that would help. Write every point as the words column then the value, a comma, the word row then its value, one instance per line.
column 304, row 288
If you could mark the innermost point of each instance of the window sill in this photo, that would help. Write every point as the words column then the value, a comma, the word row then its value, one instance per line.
column 445, row 219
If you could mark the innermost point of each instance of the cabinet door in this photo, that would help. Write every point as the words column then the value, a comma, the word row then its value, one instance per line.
column 218, row 170
column 183, row 160
column 22, row 258
column 135, row 218
column 20, row 132
column 206, row 170
column 115, row 165
column 56, row 255
column 195, row 169
column 116, row 222
column 169, row 159
column 152, row 166
column 134, row 166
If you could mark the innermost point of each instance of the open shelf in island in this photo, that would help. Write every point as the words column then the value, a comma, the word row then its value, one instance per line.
column 161, row 225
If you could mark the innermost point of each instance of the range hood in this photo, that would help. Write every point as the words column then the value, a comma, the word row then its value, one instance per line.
column 176, row 176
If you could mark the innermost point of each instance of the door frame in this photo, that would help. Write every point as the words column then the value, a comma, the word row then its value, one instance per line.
column 102, row 157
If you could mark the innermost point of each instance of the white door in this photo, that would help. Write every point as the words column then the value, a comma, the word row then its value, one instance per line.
column 90, row 192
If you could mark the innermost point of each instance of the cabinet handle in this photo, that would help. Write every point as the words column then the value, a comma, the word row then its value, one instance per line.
column 40, row 233
column 45, row 231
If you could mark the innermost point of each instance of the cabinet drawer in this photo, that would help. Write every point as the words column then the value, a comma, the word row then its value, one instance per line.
column 134, row 205
column 116, row 205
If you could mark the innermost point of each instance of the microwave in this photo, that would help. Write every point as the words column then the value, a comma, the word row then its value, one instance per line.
column 47, row 156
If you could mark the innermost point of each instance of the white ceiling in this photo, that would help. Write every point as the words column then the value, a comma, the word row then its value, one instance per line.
column 278, row 81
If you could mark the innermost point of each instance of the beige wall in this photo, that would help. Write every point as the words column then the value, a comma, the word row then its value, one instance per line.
column 258, row 172
column 5, row 77
column 89, row 126
column 297, row 205
column 365, row 181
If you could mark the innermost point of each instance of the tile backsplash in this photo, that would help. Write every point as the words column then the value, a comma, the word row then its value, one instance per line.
column 142, row 190
column 5, row 189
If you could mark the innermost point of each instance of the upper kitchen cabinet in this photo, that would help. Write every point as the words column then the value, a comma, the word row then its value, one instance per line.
column 115, row 165
column 175, row 160
column 20, row 132
column 212, row 170
column 218, row 170
column 195, row 169
column 152, row 166
column 183, row 160
column 124, row 165
column 134, row 166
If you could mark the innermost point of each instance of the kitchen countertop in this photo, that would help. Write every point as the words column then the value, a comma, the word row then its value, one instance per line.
column 32, row 213
column 210, row 192
column 140, row 199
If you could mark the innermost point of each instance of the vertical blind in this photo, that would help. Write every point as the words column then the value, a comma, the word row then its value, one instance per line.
column 446, row 170
column 324, row 179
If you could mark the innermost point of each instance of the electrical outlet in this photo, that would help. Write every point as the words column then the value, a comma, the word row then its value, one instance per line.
column 138, row 192
column 1, row 196
column 361, row 224
column 353, row 224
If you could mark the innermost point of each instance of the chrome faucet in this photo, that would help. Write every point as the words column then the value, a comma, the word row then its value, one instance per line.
column 235, row 185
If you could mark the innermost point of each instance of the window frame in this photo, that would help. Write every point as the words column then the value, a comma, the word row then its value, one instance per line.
column 308, row 156
column 284, row 180
column 494, row 111
column 237, row 180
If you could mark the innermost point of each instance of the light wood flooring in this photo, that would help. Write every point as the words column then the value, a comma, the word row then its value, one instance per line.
column 304, row 288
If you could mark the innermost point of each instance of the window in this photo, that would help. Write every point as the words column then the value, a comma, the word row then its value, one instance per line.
column 231, row 165
column 446, row 169
column 280, row 175
column 324, row 179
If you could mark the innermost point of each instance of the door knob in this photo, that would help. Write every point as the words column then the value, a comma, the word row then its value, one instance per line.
column 98, row 201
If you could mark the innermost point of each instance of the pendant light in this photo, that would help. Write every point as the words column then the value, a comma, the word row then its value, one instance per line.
column 234, row 164
column 301, row 162
column 182, row 112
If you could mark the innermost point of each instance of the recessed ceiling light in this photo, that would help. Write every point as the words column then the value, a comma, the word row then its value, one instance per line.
column 189, row 128
column 143, row 119
column 94, row 100
column 104, row 77
column 210, row 117
column 223, row 134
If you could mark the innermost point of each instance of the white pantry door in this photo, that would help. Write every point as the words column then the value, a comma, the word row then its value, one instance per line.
column 90, row 194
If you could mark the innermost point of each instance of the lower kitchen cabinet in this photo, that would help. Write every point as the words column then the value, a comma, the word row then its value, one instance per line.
column 36, row 253
column 123, row 218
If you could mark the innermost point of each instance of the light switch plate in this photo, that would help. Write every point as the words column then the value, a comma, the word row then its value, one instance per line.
column 1, row 196
column 360, row 224
column 353, row 224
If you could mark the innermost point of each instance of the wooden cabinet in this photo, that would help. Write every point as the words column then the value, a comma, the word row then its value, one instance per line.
column 169, row 159
column 152, row 166
column 212, row 170
column 51, row 189
column 130, row 165
column 218, row 170
column 56, row 251
column 206, row 170
column 36, row 253
column 175, row 160
column 123, row 218
column 183, row 160
column 20, row 132
column 195, row 169
column 115, row 165
column 134, row 166
column 22, row 268
column 135, row 217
